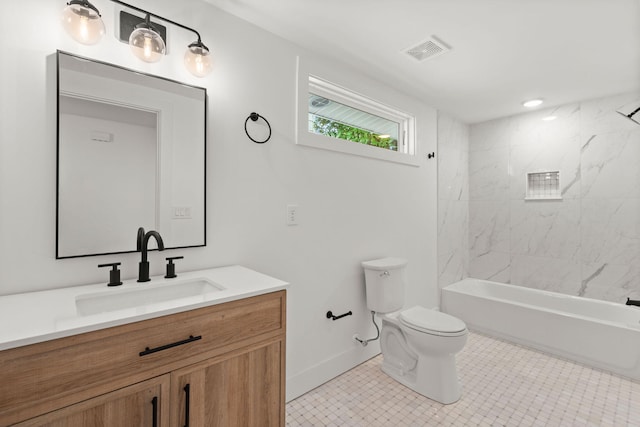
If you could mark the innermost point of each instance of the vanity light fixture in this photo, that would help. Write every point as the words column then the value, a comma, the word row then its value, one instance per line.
column 83, row 22
column 532, row 103
column 197, row 59
column 146, row 43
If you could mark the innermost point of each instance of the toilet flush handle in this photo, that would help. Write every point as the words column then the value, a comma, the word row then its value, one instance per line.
column 385, row 273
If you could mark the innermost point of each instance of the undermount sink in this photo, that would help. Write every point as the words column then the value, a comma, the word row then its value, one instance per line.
column 138, row 295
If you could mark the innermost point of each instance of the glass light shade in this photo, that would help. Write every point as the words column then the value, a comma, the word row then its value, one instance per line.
column 83, row 22
column 198, row 60
column 146, row 44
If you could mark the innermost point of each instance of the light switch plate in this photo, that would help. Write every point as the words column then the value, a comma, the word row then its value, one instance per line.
column 292, row 214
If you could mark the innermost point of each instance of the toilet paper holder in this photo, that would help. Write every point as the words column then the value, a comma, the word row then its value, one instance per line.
column 331, row 316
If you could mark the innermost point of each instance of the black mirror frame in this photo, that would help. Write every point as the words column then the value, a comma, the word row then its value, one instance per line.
column 57, row 121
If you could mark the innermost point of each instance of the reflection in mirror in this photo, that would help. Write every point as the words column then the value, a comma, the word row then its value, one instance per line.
column 131, row 153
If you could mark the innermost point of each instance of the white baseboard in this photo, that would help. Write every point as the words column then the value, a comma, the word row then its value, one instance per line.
column 319, row 374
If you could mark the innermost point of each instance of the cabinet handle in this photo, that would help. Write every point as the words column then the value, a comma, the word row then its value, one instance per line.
column 167, row 346
column 154, row 403
column 187, row 395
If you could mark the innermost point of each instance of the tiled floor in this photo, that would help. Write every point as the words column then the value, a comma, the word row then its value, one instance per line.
column 502, row 385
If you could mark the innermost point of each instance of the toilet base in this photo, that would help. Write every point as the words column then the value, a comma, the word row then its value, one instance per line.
column 423, row 362
column 433, row 377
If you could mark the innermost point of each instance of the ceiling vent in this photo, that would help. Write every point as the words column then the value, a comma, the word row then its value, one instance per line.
column 427, row 49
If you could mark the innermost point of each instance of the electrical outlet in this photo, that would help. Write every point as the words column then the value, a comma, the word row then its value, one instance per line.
column 292, row 214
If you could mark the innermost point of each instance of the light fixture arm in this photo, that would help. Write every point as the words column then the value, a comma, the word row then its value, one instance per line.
column 199, row 44
column 85, row 3
column 147, row 20
column 149, row 14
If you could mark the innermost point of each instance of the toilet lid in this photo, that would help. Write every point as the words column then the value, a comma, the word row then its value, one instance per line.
column 426, row 320
column 385, row 263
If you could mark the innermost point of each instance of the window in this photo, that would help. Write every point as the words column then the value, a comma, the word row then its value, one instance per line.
column 337, row 120
column 341, row 120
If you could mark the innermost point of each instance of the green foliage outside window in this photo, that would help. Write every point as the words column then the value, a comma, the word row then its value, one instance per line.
column 323, row 126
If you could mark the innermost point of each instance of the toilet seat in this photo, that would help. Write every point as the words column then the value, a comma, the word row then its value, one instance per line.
column 432, row 322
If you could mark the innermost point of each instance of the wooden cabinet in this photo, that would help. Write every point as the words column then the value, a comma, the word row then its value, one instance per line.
column 240, row 389
column 142, row 404
column 231, row 355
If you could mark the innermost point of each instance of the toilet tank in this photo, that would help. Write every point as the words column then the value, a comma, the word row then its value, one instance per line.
column 384, row 279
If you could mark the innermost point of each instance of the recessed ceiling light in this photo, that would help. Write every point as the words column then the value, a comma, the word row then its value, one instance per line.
column 549, row 118
column 532, row 103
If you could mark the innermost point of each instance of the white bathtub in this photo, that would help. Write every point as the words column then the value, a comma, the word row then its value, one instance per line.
column 601, row 334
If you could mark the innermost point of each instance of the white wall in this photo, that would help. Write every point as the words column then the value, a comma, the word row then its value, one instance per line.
column 351, row 208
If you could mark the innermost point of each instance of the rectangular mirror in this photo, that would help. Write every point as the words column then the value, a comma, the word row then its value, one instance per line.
column 131, row 153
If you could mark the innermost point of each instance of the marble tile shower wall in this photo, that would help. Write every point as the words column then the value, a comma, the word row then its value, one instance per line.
column 453, row 200
column 586, row 244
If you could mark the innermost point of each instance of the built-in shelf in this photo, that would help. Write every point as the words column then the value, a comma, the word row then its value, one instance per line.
column 543, row 186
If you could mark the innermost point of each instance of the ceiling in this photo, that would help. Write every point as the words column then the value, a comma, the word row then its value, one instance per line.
column 502, row 51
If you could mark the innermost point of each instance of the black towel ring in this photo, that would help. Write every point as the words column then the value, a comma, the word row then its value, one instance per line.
column 255, row 117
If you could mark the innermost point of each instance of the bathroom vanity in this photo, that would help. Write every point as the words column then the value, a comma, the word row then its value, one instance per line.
column 207, row 356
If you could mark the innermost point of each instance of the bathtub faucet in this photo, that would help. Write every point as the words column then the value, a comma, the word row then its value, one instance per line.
column 633, row 302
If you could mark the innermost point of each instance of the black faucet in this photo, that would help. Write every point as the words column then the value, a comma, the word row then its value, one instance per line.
column 143, row 242
column 633, row 302
column 139, row 239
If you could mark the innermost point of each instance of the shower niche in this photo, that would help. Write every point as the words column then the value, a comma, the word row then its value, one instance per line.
column 543, row 186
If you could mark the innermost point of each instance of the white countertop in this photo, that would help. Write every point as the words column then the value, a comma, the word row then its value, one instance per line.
column 34, row 317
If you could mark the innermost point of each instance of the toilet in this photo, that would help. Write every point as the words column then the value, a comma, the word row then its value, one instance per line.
column 418, row 344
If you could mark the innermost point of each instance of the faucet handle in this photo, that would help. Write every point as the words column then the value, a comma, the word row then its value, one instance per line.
column 114, row 274
column 171, row 267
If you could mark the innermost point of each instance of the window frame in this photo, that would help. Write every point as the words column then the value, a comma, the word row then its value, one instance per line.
column 407, row 152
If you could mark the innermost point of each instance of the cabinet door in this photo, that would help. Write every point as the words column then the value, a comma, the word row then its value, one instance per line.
column 244, row 388
column 143, row 404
